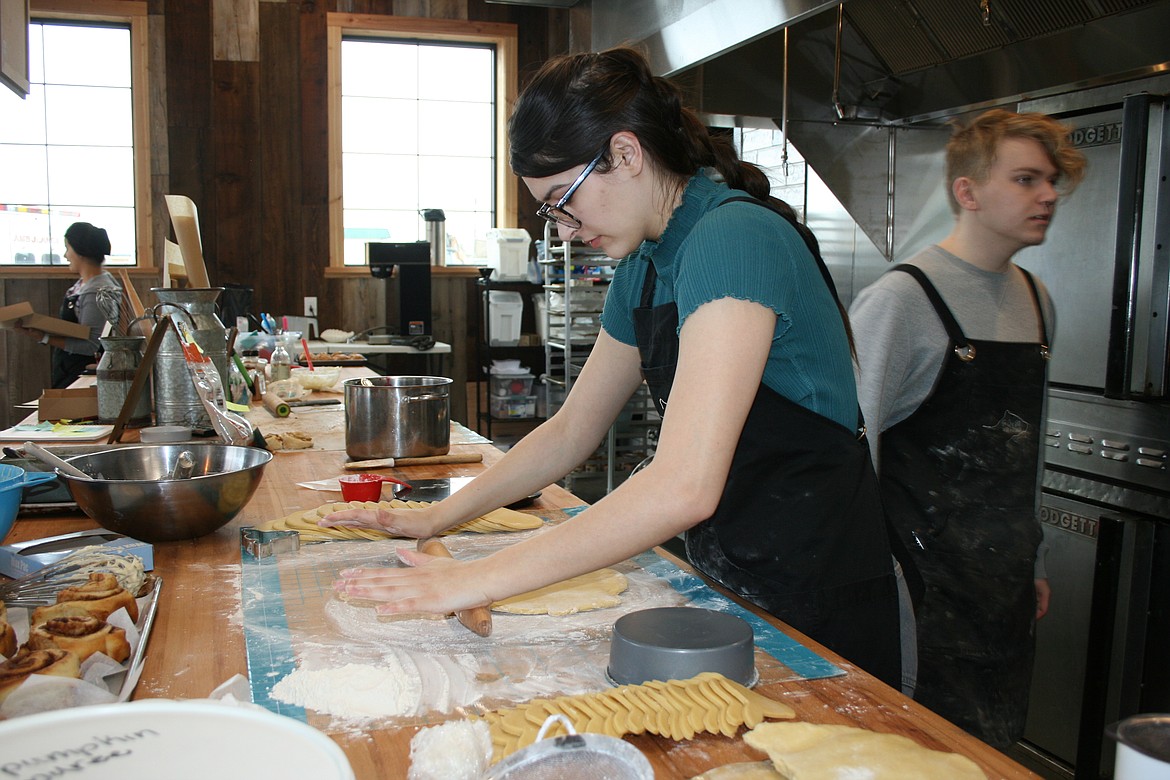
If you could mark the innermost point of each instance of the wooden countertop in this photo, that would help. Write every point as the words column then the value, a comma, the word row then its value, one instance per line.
column 198, row 641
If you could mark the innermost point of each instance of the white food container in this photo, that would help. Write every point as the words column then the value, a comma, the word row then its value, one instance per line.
column 1143, row 747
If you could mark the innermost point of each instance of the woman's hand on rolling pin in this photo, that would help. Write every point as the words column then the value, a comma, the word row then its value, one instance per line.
column 428, row 583
column 411, row 523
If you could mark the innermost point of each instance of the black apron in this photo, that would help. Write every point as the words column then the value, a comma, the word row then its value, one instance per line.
column 959, row 483
column 67, row 366
column 799, row 530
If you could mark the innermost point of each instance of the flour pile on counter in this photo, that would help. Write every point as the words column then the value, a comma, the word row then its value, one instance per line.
column 458, row 750
column 353, row 690
column 399, row 684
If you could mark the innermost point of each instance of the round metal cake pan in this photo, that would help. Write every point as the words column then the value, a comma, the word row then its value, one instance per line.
column 677, row 643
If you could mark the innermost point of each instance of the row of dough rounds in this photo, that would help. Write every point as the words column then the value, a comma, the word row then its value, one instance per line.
column 676, row 709
column 304, row 521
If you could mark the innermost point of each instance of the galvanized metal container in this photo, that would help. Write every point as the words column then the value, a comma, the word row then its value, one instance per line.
column 176, row 401
column 397, row 416
column 115, row 376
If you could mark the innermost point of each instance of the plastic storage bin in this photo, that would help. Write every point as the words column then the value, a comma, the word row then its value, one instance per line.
column 511, row 384
column 513, row 406
column 507, row 252
column 505, row 308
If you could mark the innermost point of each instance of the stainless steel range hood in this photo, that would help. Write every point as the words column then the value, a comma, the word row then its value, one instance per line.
column 894, row 69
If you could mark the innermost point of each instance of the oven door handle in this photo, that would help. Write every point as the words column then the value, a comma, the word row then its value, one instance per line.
column 1123, row 360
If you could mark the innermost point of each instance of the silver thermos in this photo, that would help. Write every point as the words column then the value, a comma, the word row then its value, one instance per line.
column 436, row 234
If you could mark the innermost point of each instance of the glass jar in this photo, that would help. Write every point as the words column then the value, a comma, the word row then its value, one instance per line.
column 280, row 364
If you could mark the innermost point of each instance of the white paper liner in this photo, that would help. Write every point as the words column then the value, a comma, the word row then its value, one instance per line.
column 103, row 680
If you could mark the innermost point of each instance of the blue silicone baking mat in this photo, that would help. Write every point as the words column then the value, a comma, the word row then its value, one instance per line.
column 295, row 625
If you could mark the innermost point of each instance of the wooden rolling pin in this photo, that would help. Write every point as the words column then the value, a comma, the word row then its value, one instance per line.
column 430, row 460
column 478, row 619
column 275, row 405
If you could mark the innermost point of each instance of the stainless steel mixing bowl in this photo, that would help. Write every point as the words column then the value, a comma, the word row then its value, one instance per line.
column 135, row 491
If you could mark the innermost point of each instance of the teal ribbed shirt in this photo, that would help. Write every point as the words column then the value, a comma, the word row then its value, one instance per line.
column 745, row 251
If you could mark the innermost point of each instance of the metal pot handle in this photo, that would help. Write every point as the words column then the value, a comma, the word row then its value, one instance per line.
column 413, row 398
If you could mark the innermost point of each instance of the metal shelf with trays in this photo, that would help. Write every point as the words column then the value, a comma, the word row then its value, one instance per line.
column 517, row 409
column 575, row 280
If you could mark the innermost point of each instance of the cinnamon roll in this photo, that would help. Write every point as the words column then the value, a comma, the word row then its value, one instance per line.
column 100, row 598
column 7, row 633
column 82, row 636
column 26, row 662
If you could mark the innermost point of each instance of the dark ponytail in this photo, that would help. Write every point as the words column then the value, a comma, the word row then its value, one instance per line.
column 575, row 103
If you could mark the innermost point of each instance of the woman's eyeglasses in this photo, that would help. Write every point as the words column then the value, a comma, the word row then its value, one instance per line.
column 556, row 212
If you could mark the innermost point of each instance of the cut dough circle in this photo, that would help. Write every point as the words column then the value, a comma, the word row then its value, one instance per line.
column 596, row 590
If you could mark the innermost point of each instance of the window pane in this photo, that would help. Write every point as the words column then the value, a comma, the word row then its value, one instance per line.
column 466, row 127
column 418, row 131
column 380, row 181
column 117, row 222
column 66, row 152
column 96, row 176
column 471, row 227
column 24, row 120
column 473, row 174
column 379, row 125
column 379, row 69
column 24, row 235
column 364, row 225
column 36, row 64
column 24, row 182
column 451, row 73
column 94, row 56
column 98, row 116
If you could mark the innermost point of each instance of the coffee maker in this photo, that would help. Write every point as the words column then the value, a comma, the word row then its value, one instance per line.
column 413, row 261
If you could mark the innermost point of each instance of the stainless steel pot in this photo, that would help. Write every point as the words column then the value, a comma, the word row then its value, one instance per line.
column 397, row 416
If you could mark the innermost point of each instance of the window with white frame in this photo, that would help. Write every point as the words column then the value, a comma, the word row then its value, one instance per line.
column 421, row 125
column 68, row 149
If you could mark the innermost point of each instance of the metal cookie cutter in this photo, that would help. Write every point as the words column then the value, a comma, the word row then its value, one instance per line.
column 263, row 544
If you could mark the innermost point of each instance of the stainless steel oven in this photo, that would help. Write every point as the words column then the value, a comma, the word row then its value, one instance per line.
column 1103, row 649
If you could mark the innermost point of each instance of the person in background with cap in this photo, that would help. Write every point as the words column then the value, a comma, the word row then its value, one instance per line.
column 86, row 247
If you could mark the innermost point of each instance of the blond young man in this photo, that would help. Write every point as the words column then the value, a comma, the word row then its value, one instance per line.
column 952, row 348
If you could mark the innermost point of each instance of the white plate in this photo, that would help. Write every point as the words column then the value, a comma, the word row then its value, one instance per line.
column 178, row 740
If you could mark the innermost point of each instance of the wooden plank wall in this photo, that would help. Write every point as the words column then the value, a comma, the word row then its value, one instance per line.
column 238, row 95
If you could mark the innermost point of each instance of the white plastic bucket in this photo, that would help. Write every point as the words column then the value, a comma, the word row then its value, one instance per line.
column 1143, row 747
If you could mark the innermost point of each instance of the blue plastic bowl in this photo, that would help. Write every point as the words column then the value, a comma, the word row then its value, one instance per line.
column 9, row 472
column 13, row 481
column 9, row 505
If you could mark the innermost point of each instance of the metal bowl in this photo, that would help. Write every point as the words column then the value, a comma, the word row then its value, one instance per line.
column 677, row 643
column 133, row 492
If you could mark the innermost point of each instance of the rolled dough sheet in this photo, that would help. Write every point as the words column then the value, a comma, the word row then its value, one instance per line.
column 818, row 751
column 755, row 770
column 596, row 590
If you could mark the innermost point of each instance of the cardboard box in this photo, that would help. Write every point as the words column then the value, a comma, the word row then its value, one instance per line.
column 22, row 314
column 21, row 558
column 70, row 403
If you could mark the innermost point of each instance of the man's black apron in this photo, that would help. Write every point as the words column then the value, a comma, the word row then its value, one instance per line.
column 799, row 529
column 959, row 483
column 67, row 366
